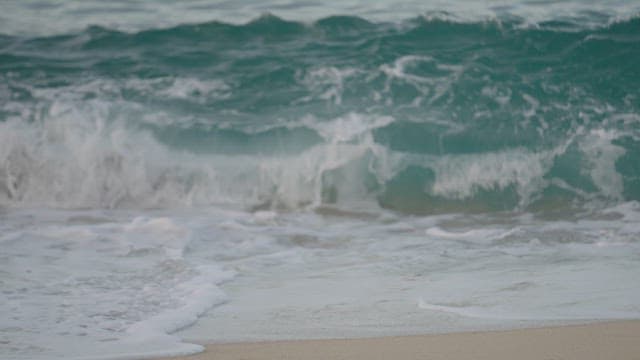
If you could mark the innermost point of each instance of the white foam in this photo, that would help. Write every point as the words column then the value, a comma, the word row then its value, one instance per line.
column 182, row 88
column 78, row 155
column 25, row 18
column 466, row 311
column 362, row 277
column 431, row 88
column 499, row 95
column 326, row 83
column 477, row 234
column 348, row 127
column 119, row 284
column 460, row 176
column 602, row 155
column 200, row 294
column 82, row 158
column 117, row 287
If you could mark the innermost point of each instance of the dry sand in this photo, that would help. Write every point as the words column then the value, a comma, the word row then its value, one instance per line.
column 601, row 341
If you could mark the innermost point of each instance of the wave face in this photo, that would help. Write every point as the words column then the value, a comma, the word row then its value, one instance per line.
column 427, row 115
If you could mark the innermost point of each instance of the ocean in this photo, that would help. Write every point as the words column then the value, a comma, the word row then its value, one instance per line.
column 175, row 173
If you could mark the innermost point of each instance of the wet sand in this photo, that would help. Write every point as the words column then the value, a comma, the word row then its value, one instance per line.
column 599, row 341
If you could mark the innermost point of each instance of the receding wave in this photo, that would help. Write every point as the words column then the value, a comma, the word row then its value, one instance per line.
column 426, row 116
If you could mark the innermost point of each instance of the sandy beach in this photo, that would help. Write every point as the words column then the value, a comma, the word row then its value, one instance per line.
column 599, row 341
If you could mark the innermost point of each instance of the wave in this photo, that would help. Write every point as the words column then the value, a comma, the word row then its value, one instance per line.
column 430, row 115
column 25, row 19
column 269, row 27
column 69, row 163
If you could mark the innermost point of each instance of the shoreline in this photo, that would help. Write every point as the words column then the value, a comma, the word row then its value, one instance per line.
column 594, row 341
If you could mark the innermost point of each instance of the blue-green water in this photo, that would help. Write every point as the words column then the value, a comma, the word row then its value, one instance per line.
column 425, row 115
column 183, row 172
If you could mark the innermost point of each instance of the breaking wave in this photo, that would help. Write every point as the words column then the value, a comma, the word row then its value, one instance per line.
column 425, row 116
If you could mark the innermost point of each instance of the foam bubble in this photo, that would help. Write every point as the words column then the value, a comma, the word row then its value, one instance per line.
column 431, row 88
column 121, row 283
column 326, row 83
column 602, row 155
column 461, row 176
column 478, row 235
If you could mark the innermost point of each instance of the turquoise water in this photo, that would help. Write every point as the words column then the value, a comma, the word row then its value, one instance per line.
column 183, row 172
column 425, row 115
